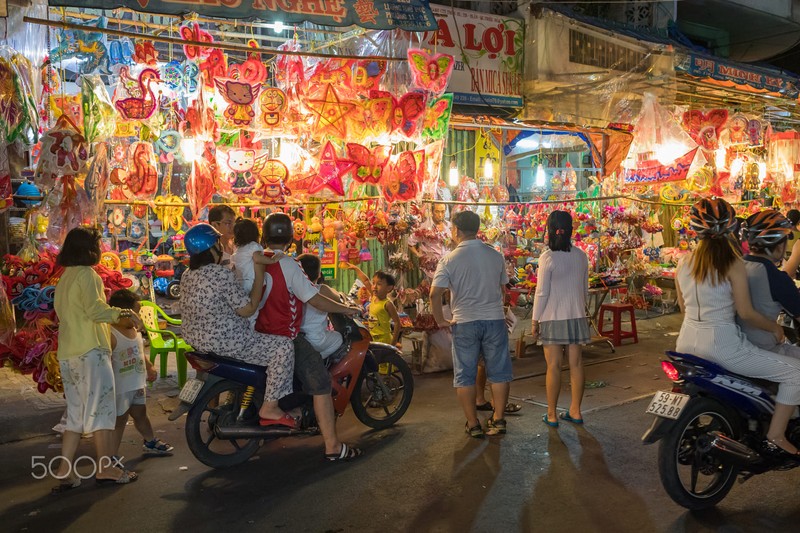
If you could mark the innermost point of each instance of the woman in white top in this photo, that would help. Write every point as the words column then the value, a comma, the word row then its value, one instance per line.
column 712, row 288
column 559, row 314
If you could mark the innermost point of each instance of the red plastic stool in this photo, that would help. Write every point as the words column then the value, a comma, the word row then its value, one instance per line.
column 615, row 333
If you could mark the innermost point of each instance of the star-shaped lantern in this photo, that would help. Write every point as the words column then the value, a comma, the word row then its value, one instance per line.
column 331, row 112
column 331, row 171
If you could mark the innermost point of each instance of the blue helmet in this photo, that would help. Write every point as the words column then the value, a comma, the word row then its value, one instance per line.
column 200, row 238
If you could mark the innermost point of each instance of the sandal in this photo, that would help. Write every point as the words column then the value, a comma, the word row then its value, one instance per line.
column 772, row 446
column 66, row 486
column 568, row 418
column 285, row 420
column 476, row 431
column 345, row 454
column 496, row 427
column 510, row 407
column 126, row 477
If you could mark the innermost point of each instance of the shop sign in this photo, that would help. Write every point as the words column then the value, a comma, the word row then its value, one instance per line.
column 411, row 15
column 489, row 55
column 704, row 67
column 653, row 172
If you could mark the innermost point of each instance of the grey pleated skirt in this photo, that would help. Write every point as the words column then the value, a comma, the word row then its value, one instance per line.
column 572, row 331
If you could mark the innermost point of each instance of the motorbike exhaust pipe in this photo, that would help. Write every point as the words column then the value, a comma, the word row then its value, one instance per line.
column 257, row 432
column 731, row 450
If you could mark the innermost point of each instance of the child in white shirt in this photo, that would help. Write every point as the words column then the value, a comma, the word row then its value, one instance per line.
column 245, row 237
column 315, row 322
column 131, row 372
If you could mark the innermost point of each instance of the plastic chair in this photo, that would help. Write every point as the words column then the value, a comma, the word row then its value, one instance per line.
column 616, row 334
column 161, row 346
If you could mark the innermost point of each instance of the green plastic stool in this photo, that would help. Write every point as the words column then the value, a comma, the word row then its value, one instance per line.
column 162, row 341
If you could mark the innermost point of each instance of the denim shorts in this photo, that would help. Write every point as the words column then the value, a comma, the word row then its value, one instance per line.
column 488, row 338
column 309, row 368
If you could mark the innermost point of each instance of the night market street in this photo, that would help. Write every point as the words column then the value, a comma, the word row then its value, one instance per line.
column 422, row 475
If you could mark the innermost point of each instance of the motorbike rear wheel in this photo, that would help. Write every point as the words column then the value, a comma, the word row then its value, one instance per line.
column 382, row 397
column 693, row 479
column 219, row 406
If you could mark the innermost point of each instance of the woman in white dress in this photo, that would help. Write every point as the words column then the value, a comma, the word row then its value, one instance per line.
column 712, row 290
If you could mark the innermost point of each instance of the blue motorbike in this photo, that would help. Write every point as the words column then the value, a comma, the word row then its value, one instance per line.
column 712, row 427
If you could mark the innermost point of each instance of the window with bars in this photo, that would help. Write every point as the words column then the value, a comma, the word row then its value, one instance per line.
column 585, row 49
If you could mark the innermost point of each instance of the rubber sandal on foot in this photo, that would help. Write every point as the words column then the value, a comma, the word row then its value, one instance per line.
column 285, row 420
column 512, row 408
column 126, row 477
column 565, row 416
column 546, row 421
column 61, row 488
column 496, row 427
column 476, row 431
column 345, row 454
column 485, row 407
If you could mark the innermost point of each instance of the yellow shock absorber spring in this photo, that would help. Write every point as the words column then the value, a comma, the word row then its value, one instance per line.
column 247, row 399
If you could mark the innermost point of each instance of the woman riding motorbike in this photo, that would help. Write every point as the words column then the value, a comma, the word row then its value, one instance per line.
column 215, row 311
column 712, row 290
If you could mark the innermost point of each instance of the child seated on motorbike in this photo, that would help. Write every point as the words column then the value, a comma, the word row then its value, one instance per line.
column 315, row 322
column 246, row 236
column 771, row 289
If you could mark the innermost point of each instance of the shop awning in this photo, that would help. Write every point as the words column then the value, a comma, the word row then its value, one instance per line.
column 609, row 147
column 411, row 15
column 728, row 74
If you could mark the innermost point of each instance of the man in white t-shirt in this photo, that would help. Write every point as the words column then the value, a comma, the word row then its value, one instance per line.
column 476, row 276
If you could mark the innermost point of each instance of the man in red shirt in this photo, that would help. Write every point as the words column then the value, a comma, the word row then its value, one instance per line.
column 286, row 289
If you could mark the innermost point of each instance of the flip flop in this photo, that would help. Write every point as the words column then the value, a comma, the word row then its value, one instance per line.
column 126, row 477
column 565, row 416
column 61, row 488
column 345, row 454
column 546, row 421
column 285, row 420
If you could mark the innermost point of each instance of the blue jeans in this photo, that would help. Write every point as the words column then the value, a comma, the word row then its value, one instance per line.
column 486, row 337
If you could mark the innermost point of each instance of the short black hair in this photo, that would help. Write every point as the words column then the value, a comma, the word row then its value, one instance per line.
column 385, row 276
column 124, row 299
column 202, row 259
column 794, row 216
column 559, row 231
column 312, row 266
column 245, row 231
column 81, row 247
column 216, row 213
column 467, row 222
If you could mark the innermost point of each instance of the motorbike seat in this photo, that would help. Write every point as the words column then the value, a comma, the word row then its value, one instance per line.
column 770, row 386
column 211, row 356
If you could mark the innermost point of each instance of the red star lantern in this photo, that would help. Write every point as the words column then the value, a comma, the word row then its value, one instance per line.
column 331, row 113
column 331, row 170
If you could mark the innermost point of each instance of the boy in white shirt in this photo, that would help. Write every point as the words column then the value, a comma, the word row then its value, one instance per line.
column 315, row 322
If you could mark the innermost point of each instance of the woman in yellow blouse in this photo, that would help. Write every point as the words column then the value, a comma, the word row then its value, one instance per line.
column 84, row 355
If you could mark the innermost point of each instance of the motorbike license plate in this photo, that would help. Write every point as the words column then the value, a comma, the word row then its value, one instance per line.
column 190, row 390
column 667, row 404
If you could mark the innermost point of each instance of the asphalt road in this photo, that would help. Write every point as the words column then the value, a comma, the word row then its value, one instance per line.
column 422, row 475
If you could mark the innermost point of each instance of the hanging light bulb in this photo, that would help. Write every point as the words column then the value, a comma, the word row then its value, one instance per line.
column 453, row 178
column 488, row 168
column 719, row 158
column 762, row 171
column 541, row 177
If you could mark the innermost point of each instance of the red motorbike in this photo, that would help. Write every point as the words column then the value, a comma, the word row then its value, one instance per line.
column 223, row 401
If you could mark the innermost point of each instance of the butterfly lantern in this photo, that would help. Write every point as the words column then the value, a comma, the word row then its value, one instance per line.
column 240, row 96
column 194, row 32
column 369, row 164
column 271, row 178
column 402, row 181
column 181, row 76
column 430, row 72
column 437, row 117
column 705, row 128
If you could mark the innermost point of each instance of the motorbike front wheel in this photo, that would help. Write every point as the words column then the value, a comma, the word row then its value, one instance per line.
column 382, row 397
column 694, row 479
column 219, row 406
